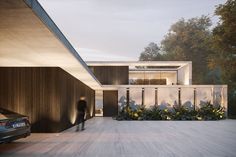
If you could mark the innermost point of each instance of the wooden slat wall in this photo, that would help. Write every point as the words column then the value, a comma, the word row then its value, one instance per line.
column 111, row 75
column 48, row 95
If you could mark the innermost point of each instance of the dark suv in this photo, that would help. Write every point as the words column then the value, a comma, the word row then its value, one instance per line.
column 13, row 126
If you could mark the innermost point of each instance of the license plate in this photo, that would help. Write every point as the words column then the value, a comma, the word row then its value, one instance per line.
column 18, row 125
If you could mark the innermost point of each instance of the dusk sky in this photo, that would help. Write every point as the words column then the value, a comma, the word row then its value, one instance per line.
column 120, row 29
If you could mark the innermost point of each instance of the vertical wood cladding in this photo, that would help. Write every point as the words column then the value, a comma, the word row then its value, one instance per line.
column 111, row 75
column 48, row 95
column 110, row 103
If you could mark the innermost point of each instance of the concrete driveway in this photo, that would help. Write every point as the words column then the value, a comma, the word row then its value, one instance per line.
column 105, row 137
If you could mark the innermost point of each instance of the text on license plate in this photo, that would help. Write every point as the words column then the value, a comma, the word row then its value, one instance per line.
column 18, row 125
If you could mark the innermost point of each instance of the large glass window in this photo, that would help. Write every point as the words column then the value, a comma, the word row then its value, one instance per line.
column 99, row 103
column 152, row 77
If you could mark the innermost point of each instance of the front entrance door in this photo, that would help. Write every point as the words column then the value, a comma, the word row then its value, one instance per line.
column 110, row 103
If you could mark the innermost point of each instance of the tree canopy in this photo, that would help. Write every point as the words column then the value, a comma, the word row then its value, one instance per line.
column 212, row 50
column 151, row 53
column 224, row 57
column 187, row 40
column 224, row 38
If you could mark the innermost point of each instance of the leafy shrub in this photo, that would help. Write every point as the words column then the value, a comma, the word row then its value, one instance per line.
column 182, row 113
column 153, row 113
column 128, row 113
column 210, row 112
column 139, row 112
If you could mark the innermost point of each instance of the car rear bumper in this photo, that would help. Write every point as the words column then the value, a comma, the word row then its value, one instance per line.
column 11, row 135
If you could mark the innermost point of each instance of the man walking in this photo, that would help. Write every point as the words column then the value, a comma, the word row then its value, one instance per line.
column 81, row 110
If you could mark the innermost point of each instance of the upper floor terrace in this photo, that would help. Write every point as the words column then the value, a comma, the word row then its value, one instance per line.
column 142, row 72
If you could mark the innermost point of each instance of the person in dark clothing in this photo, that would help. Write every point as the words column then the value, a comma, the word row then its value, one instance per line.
column 81, row 110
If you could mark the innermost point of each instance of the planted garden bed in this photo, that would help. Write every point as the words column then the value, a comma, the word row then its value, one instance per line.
column 207, row 111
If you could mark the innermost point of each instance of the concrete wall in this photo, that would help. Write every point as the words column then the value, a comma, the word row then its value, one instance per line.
column 168, row 95
column 185, row 75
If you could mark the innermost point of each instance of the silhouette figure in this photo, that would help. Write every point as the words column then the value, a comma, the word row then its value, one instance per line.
column 81, row 110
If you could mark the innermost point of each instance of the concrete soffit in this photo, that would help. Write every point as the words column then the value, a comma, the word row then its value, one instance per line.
column 30, row 38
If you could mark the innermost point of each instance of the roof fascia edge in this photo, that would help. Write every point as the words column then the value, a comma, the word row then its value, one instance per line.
column 46, row 19
column 187, row 63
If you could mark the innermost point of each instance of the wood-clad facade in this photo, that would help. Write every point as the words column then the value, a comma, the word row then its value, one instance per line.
column 48, row 95
column 111, row 75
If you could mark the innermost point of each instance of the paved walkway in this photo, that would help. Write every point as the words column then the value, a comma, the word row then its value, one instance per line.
column 105, row 137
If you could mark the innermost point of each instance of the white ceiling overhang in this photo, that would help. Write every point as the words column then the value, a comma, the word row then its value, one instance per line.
column 29, row 38
column 138, row 63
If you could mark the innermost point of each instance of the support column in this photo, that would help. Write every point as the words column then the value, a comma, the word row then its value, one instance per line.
column 127, row 97
column 179, row 96
column 156, row 96
column 142, row 96
column 194, row 98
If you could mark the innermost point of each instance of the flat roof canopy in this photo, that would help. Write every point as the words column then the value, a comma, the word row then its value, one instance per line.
column 178, row 64
column 28, row 37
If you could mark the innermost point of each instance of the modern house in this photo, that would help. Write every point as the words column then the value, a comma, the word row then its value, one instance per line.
column 43, row 76
column 120, row 76
column 150, row 83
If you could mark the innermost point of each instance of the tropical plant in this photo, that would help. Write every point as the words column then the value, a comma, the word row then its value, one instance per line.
column 211, row 112
column 139, row 112
column 183, row 113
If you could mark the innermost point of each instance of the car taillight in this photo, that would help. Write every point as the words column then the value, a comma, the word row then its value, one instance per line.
column 3, row 123
column 26, row 120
